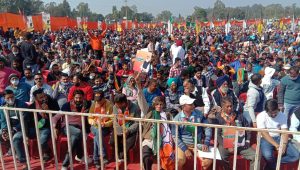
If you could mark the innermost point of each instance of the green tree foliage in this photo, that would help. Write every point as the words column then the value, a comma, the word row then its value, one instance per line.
column 199, row 14
column 164, row 15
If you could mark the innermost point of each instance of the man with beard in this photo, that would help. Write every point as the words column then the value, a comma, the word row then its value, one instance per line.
column 42, row 102
column 79, row 84
column 77, row 104
column 27, row 78
column 54, row 75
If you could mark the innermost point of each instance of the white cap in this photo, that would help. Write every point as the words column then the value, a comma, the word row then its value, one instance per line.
column 184, row 99
column 287, row 67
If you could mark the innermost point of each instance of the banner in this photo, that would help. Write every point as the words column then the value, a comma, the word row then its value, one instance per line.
column 78, row 22
column 29, row 23
column 142, row 60
column 85, row 23
column 99, row 25
column 46, row 21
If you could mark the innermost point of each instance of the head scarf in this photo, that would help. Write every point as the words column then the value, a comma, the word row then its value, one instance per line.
column 172, row 80
column 221, row 80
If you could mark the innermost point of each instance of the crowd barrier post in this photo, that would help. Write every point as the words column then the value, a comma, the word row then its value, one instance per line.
column 10, row 137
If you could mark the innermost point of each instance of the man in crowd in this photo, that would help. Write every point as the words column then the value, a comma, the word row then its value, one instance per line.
column 255, row 99
column 29, row 53
column 288, row 99
column 295, row 127
column 40, row 84
column 125, row 108
column 28, row 78
column 42, row 101
column 176, row 69
column 186, row 133
column 21, row 90
column 14, row 118
column 61, row 90
column 80, row 105
column 273, row 118
column 230, row 118
column 79, row 84
column 151, row 91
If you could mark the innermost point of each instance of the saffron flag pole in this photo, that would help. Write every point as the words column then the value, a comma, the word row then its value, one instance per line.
column 23, row 17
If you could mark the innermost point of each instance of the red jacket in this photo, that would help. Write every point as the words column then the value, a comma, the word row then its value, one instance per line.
column 86, row 88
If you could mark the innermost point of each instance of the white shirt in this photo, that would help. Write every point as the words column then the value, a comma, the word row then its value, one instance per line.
column 47, row 90
column 264, row 121
column 178, row 52
column 295, row 123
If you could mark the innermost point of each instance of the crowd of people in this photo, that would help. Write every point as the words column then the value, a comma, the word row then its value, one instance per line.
column 241, row 78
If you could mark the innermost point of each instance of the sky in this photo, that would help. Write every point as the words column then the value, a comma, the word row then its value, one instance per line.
column 183, row 7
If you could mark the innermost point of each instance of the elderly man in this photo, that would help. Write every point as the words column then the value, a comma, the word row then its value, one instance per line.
column 186, row 133
column 226, row 147
column 222, row 91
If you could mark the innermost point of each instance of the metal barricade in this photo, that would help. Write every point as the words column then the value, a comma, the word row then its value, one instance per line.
column 140, row 122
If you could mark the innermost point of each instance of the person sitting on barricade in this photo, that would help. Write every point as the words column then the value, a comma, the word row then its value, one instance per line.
column 272, row 118
column 103, row 106
column 77, row 104
column 150, row 146
column 186, row 133
column 14, row 118
column 226, row 116
column 42, row 101
column 124, row 108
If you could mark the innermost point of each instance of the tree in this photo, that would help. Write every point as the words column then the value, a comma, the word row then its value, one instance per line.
column 199, row 14
column 164, row 15
column 219, row 10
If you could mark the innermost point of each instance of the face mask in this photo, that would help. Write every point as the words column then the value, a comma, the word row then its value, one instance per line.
column 64, row 84
column 15, row 53
column 11, row 102
column 293, row 78
column 224, row 89
column 91, row 77
column 15, row 82
column 77, row 84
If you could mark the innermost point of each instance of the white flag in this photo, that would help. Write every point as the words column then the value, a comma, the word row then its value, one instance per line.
column 227, row 28
column 99, row 25
column 244, row 24
column 29, row 23
column 170, row 28
column 211, row 25
column 46, row 21
column 79, row 22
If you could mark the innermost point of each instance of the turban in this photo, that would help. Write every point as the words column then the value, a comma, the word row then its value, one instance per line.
column 172, row 80
column 221, row 81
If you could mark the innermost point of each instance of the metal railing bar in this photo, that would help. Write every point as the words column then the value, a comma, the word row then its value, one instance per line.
column 257, row 152
column 235, row 149
column 24, row 136
column 100, row 138
column 37, row 131
column 69, row 142
column 53, row 141
column 10, row 137
column 84, row 138
column 215, row 148
column 195, row 147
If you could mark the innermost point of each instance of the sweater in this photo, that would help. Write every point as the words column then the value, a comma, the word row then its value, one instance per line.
column 86, row 88
column 288, row 89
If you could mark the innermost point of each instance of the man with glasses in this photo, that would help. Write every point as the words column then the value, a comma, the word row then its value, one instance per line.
column 272, row 118
column 39, row 84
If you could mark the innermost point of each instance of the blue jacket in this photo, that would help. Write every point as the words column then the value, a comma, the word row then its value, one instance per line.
column 22, row 92
column 186, row 133
column 15, row 123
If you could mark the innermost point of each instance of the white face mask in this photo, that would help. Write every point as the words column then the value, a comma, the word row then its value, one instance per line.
column 293, row 78
column 15, row 53
column 15, row 82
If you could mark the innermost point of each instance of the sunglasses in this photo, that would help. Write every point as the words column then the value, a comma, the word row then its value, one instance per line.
column 38, row 79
